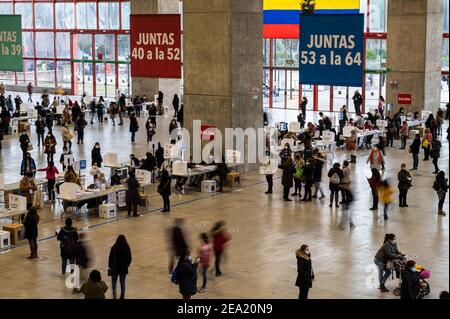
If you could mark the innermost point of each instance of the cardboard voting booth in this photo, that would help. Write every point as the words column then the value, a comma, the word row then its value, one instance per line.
column 107, row 211
column 111, row 159
column 143, row 176
column 179, row 168
column 347, row 131
column 17, row 202
column 269, row 167
column 60, row 109
column 381, row 124
column 68, row 190
column 294, row 127
column 328, row 137
column 122, row 199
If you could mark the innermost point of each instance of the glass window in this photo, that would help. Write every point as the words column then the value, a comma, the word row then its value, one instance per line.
column 377, row 16
column 124, row 78
column 83, row 46
column 27, row 75
column 445, row 44
column 63, row 45
column 266, row 52
column 27, row 43
column 26, row 10
column 65, row 18
column 108, row 15
column 446, row 5
column 44, row 45
column 6, row 8
column 7, row 77
column 125, row 15
column 45, row 73
column 104, row 47
column 376, row 54
column 279, row 52
column 123, row 46
column 63, row 74
column 86, row 15
column 44, row 15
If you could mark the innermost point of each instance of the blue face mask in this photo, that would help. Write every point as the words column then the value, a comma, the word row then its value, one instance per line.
column 413, row 269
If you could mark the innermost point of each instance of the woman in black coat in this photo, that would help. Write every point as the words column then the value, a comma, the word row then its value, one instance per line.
column 305, row 274
column 164, row 188
column 159, row 154
column 410, row 285
column 176, row 104
column 133, row 197
column 96, row 155
column 118, row 262
column 415, row 150
column 134, row 127
column 180, row 115
column 287, row 178
column 31, row 231
column 68, row 237
column 187, row 275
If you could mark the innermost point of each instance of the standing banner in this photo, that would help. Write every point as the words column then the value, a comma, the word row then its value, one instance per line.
column 331, row 49
column 155, row 41
column 11, row 43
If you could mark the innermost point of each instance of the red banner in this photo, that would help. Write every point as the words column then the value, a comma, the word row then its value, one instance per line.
column 404, row 98
column 155, row 43
column 207, row 132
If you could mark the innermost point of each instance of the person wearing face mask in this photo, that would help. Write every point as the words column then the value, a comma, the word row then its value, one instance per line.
column 305, row 274
column 134, row 162
column 404, row 183
column 61, row 159
column 96, row 156
column 28, row 165
column 24, row 142
column 388, row 253
column 50, row 146
column 285, row 154
column 27, row 188
column 410, row 286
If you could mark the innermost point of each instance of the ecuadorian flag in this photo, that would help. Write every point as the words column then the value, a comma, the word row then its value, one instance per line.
column 282, row 17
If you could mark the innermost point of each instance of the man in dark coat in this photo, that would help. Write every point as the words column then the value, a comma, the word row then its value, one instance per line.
column 134, row 127
column 357, row 101
column 133, row 197
column 410, row 286
column 404, row 183
column 187, row 276
column 415, row 150
column 287, row 178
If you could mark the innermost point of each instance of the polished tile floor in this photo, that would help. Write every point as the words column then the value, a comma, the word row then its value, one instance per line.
column 266, row 231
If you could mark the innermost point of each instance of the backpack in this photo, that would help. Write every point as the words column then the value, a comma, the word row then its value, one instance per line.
column 298, row 172
column 174, row 277
column 335, row 179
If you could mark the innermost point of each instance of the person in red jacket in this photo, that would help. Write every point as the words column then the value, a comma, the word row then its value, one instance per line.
column 50, row 172
column 220, row 237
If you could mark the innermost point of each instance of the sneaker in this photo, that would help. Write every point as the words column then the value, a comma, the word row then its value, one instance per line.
column 202, row 290
column 383, row 289
column 295, row 194
column 337, row 206
column 442, row 213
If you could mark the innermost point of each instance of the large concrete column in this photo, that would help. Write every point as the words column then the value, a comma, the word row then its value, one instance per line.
column 223, row 63
column 414, row 48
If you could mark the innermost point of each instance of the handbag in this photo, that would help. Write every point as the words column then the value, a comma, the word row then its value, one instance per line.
column 29, row 147
column 425, row 143
column 410, row 149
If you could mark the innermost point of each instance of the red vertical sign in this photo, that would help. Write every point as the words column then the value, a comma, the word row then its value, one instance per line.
column 155, row 43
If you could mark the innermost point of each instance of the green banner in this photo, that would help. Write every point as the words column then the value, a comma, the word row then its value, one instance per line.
column 10, row 43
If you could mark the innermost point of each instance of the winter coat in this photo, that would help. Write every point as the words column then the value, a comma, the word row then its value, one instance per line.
column 178, row 242
column 23, row 167
column 220, row 238
column 94, row 290
column 317, row 167
column 387, row 252
column 164, row 187
column 96, row 157
column 304, row 270
column 415, row 146
column 288, row 175
column 436, row 146
column 340, row 173
column 404, row 179
column 31, row 226
column 133, row 196
column 119, row 261
column 134, row 126
column 66, row 134
column 68, row 238
column 26, row 185
column 410, row 286
column 50, row 145
column 40, row 126
column 308, row 174
column 80, row 124
column 187, row 278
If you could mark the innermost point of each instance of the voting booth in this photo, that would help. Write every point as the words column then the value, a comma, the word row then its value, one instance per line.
column 294, row 127
column 179, row 168
column 111, row 159
column 328, row 137
column 143, row 176
column 68, row 190
column 347, row 131
column 382, row 124
column 107, row 211
column 17, row 202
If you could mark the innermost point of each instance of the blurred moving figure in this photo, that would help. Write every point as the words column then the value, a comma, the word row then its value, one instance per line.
column 220, row 238
column 178, row 243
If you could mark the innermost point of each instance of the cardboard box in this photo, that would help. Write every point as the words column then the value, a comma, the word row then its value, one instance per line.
column 17, row 202
column 107, row 211
column 24, row 127
column 5, row 239
column 14, row 231
column 208, row 186
column 179, row 168
column 233, row 179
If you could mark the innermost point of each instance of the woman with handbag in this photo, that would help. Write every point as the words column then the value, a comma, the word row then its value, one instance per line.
column 50, row 146
column 164, row 189
column 67, row 137
column 31, row 231
column 384, row 258
column 118, row 262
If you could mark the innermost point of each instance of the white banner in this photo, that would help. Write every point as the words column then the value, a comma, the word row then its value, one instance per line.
column 17, row 202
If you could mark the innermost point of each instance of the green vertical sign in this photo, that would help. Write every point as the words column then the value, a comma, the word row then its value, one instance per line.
column 10, row 43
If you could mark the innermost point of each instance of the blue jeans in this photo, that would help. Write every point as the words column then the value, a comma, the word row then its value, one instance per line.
column 415, row 160
column 382, row 269
column 122, row 283
column 64, row 264
column 133, row 135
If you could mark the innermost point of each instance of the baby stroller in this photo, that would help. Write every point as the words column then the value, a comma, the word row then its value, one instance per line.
column 422, row 273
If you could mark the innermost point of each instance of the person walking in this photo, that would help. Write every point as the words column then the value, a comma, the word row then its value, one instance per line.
column 28, row 165
column 118, row 263
column 180, row 115
column 31, row 231
column 40, row 130
column 165, row 190
column 50, row 146
column 93, row 110
column 303, row 106
column 178, row 243
column 386, row 254
column 414, row 149
column 410, row 285
column 175, row 104
column 100, row 109
column 220, row 238
column 80, row 125
column 435, row 153
column 391, row 131
column 204, row 252
column 305, row 274
column 386, row 196
column 187, row 275
column 376, row 158
column 404, row 133
column 357, row 102
column 287, row 178
column 67, row 236
column 96, row 156
column 134, row 127
column 30, row 91
column 50, row 175
column 24, row 141
column 308, row 178
column 67, row 137
column 299, row 164
column 352, row 146
column 133, row 197
column 150, row 128
column 27, row 187
column 95, row 287
column 113, row 110
column 335, row 175
column 374, row 183
column 160, row 100
column 345, row 182
column 440, row 185
column 404, row 183
column 426, row 144
column 173, row 131
column 318, row 162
